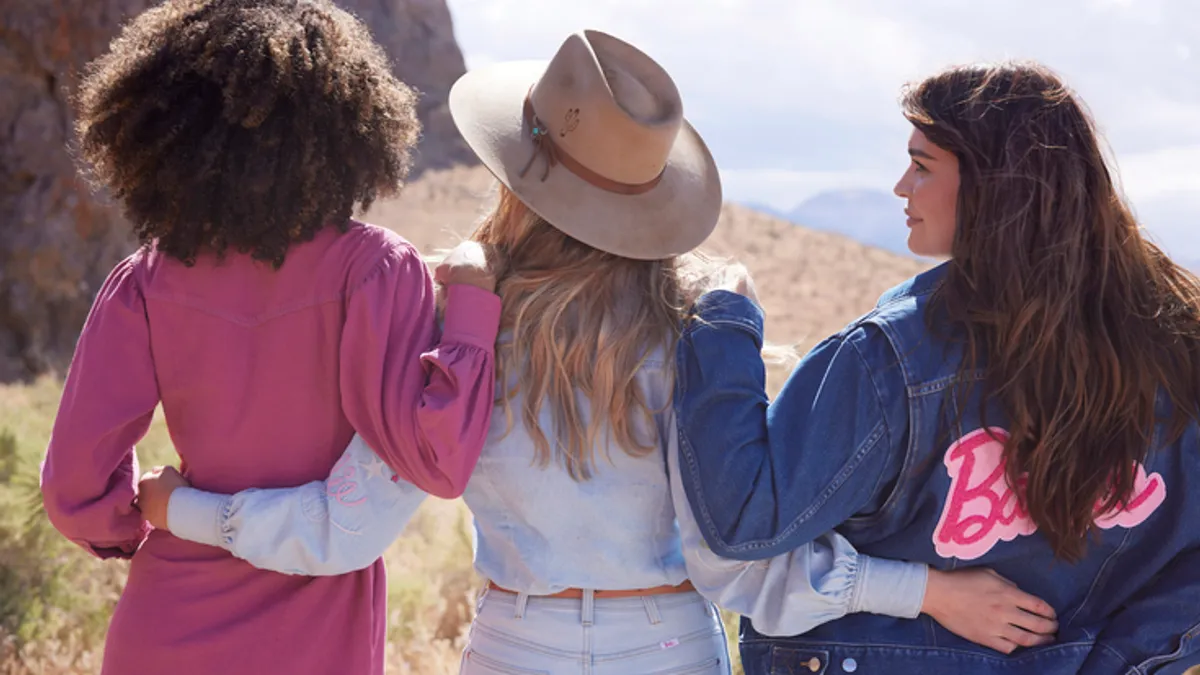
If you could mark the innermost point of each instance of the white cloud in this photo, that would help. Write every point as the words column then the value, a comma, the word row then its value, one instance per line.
column 1150, row 175
column 796, row 97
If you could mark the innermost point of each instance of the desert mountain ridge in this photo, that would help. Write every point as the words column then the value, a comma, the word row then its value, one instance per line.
column 811, row 283
column 873, row 217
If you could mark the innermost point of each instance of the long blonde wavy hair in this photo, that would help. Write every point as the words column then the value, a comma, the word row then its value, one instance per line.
column 581, row 322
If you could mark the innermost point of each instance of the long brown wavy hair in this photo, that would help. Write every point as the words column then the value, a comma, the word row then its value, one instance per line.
column 1077, row 321
column 581, row 324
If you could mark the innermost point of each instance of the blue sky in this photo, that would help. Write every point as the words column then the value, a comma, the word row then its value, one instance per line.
column 799, row 96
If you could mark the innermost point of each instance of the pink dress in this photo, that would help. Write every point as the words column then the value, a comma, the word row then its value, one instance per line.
column 263, row 376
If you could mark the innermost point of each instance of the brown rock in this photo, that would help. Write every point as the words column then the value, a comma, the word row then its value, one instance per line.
column 418, row 35
column 57, row 239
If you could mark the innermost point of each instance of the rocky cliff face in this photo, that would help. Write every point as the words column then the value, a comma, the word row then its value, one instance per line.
column 419, row 37
column 57, row 239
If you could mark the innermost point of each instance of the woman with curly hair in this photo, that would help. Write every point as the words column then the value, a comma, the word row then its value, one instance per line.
column 240, row 136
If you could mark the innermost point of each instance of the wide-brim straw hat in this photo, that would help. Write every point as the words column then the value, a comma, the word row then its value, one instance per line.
column 594, row 141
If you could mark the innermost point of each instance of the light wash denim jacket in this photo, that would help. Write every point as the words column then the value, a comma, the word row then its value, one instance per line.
column 539, row 532
column 867, row 436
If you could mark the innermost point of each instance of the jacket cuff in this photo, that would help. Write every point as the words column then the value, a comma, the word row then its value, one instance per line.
column 889, row 587
column 728, row 309
column 195, row 515
column 472, row 317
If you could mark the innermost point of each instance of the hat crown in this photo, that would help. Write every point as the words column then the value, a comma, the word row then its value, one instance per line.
column 610, row 107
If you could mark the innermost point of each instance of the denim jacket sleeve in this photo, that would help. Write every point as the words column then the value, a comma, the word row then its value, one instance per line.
column 322, row 528
column 1158, row 631
column 764, row 479
column 796, row 591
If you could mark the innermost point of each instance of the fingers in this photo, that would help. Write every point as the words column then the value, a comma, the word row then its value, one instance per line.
column 1032, row 623
column 1027, row 602
column 736, row 278
column 1012, row 639
column 1032, row 603
column 161, row 477
column 443, row 272
column 996, row 642
column 1024, row 638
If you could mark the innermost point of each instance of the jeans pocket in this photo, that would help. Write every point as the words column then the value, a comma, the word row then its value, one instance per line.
column 474, row 663
column 699, row 653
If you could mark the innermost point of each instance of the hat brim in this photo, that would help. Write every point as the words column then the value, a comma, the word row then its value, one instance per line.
column 674, row 217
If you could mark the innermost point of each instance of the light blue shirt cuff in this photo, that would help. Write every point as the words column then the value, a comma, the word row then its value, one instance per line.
column 196, row 515
column 889, row 587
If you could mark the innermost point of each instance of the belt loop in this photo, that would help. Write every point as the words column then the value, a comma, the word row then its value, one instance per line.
column 651, row 605
column 588, row 610
column 522, row 601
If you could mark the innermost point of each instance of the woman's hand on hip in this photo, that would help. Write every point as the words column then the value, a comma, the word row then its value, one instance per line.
column 983, row 607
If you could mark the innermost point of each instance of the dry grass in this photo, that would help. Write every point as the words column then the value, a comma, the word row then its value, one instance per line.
column 55, row 601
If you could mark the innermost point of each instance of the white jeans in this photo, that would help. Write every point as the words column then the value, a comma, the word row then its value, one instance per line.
column 670, row 634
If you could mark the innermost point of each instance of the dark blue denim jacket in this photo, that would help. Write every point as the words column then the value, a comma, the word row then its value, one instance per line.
column 867, row 437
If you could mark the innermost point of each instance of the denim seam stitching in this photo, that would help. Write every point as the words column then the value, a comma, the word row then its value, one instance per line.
column 836, row 484
column 746, row 325
column 501, row 636
column 838, row 481
column 909, row 452
column 1099, row 574
column 790, row 643
column 497, row 664
column 1145, row 666
column 650, row 649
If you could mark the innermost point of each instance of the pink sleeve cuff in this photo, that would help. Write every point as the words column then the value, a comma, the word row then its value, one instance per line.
column 124, row 550
column 472, row 317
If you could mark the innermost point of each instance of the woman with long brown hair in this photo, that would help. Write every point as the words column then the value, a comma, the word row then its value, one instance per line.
column 1030, row 405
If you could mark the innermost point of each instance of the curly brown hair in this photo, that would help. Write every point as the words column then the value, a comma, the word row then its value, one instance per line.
column 244, row 124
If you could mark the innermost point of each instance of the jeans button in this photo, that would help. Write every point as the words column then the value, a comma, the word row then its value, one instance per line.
column 849, row 665
column 814, row 664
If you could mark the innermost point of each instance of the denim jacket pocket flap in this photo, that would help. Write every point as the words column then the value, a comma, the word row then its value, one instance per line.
column 798, row 661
